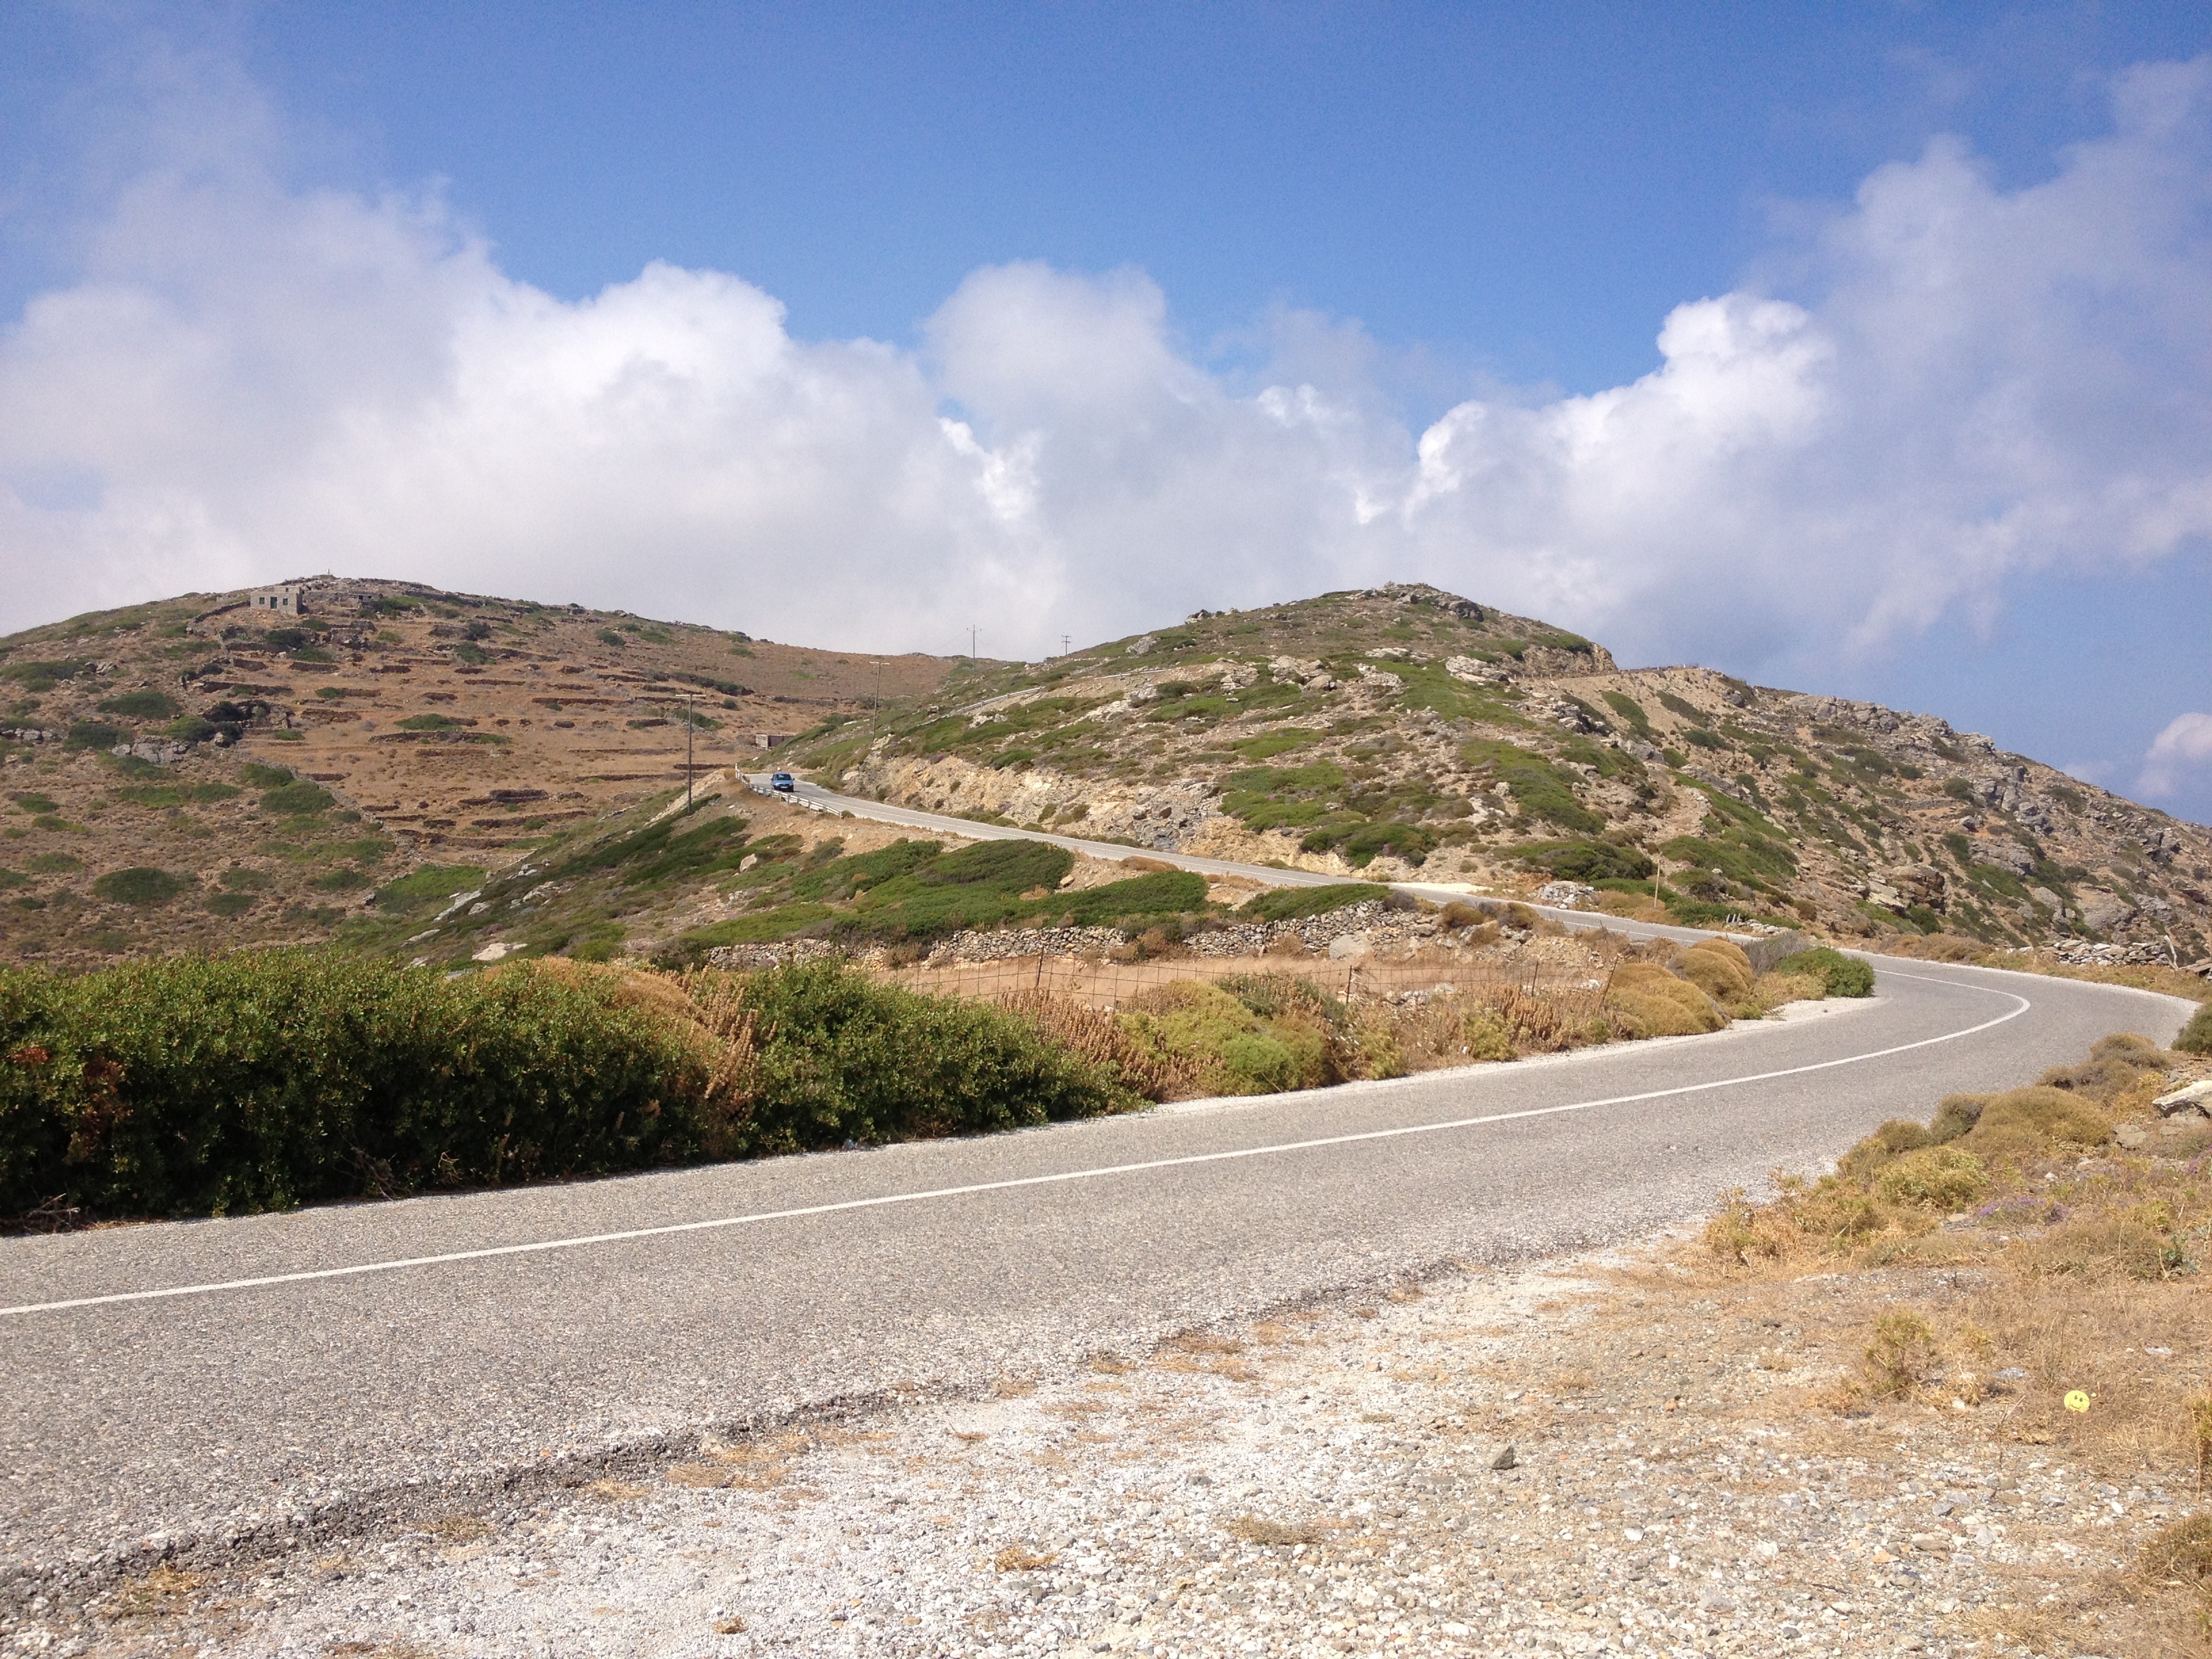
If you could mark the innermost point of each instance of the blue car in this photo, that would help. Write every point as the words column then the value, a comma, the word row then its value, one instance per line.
column 783, row 781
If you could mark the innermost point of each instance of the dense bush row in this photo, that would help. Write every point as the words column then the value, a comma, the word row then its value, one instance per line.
column 267, row 1080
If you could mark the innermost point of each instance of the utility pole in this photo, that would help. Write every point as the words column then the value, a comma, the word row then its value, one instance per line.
column 1063, row 645
column 972, row 641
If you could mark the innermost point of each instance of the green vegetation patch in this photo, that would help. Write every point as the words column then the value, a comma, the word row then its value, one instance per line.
column 299, row 799
column 1268, row 745
column 1840, row 976
column 657, row 854
column 418, row 893
column 264, row 1080
column 761, row 927
column 1281, row 797
column 142, row 706
column 175, row 794
column 1297, row 904
column 43, row 676
column 978, row 886
column 1590, row 861
column 1160, row 893
column 1630, row 710
column 140, row 884
column 431, row 723
column 1361, row 844
column 1539, row 788
column 95, row 734
column 841, row 879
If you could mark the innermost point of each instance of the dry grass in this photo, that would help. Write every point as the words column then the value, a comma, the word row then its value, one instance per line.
column 1253, row 1529
column 1099, row 1037
column 2042, row 1259
column 166, row 1592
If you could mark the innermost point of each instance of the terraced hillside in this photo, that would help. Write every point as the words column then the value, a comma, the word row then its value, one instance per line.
column 202, row 773
column 1401, row 730
column 197, row 773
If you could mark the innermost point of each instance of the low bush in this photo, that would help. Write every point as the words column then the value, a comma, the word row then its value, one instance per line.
column 1719, row 969
column 1591, row 861
column 1297, row 904
column 420, row 892
column 262, row 1080
column 140, row 884
column 142, row 705
column 841, row 1059
column 2196, row 1037
column 1934, row 1177
column 1652, row 1002
column 1840, row 975
column 1254, row 1034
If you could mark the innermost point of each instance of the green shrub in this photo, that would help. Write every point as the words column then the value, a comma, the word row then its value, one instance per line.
column 230, row 905
column 298, row 799
column 140, row 884
column 1591, row 861
column 1363, row 843
column 843, row 1058
column 1840, row 976
column 1297, row 904
column 978, row 886
column 1539, row 788
column 1935, row 1177
column 1630, row 710
column 190, row 1087
column 2196, row 1037
column 258, row 775
column 95, row 734
column 429, row 723
column 1161, row 892
column 142, row 706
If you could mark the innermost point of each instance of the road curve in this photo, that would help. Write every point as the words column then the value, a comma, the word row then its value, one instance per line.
column 209, row 1379
column 816, row 798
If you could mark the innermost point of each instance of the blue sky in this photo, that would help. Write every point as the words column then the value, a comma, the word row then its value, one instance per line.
column 859, row 324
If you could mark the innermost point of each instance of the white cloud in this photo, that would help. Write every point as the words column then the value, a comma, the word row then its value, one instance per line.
column 1970, row 385
column 2184, row 746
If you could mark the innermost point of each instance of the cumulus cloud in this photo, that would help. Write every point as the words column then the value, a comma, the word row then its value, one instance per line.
column 2183, row 747
column 1966, row 385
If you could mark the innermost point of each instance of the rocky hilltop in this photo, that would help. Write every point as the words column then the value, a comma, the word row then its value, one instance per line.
column 1400, row 730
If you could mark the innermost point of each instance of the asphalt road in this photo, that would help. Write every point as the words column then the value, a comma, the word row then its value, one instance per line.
column 813, row 796
column 523, row 1334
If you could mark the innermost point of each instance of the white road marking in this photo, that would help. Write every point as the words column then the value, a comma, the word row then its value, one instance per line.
column 586, row 1240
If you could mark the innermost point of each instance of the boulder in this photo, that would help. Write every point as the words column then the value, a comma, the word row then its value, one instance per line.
column 2103, row 912
column 2195, row 1097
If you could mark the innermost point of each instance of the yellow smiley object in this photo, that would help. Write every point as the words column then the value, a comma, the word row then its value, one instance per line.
column 2077, row 1401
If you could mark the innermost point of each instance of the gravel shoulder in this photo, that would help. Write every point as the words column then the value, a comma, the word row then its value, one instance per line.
column 1333, row 1479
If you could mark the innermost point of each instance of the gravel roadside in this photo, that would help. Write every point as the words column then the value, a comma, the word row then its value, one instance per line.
column 1333, row 1479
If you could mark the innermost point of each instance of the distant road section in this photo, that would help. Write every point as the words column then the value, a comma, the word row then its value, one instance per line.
column 814, row 795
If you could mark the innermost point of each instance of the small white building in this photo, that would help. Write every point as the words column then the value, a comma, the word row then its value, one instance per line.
column 281, row 601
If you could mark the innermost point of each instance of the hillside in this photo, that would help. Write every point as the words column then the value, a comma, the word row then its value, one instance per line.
column 202, row 772
column 1400, row 730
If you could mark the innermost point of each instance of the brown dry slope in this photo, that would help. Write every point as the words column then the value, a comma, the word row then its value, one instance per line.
column 431, row 725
